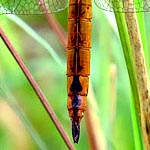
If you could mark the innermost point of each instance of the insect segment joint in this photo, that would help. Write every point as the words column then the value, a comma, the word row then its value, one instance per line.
column 78, row 61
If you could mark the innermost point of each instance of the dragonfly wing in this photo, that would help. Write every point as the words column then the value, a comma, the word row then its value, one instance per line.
column 124, row 5
column 32, row 6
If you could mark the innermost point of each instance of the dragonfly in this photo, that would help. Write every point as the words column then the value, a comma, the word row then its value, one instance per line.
column 79, row 41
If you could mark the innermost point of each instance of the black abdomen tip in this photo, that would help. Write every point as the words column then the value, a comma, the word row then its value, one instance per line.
column 75, row 131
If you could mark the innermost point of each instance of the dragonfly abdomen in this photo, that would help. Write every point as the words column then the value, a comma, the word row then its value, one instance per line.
column 78, row 60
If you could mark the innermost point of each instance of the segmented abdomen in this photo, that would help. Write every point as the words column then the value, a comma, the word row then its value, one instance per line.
column 78, row 57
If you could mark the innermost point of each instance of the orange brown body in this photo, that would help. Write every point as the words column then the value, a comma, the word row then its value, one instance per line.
column 78, row 61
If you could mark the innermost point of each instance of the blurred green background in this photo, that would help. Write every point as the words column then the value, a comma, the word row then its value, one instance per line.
column 106, row 54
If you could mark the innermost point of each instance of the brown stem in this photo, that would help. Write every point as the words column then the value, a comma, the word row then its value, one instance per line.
column 57, row 28
column 37, row 90
column 142, row 75
column 54, row 24
column 95, row 133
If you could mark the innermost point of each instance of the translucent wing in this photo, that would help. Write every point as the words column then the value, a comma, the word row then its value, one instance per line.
column 124, row 5
column 31, row 6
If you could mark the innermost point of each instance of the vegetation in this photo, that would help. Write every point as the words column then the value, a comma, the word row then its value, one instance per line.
column 24, row 124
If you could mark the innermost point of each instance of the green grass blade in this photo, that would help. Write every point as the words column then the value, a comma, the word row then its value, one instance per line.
column 124, row 37
column 37, row 37
column 4, row 91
